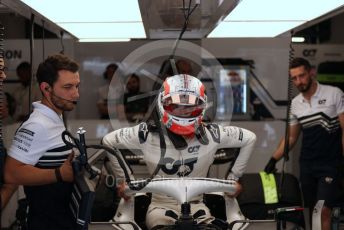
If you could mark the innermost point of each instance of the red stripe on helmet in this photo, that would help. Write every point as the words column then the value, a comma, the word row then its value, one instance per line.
column 165, row 118
column 201, row 90
column 166, row 88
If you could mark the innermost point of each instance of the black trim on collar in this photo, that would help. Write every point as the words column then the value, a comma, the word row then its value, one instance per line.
column 177, row 140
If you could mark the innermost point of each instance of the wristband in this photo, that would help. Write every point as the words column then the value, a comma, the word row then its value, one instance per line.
column 58, row 175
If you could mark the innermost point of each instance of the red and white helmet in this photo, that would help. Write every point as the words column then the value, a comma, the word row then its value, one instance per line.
column 182, row 103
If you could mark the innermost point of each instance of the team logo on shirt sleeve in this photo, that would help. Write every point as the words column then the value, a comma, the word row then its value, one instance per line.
column 26, row 131
column 23, row 139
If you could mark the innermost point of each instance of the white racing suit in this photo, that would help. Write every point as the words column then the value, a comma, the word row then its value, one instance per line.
column 193, row 159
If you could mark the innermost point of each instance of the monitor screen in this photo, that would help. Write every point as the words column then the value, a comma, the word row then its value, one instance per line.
column 228, row 91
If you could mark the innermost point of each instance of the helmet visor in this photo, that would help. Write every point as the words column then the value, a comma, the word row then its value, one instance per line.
column 184, row 106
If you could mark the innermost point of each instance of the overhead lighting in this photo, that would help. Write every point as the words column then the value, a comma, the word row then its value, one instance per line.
column 258, row 15
column 298, row 39
column 251, row 29
column 270, row 18
column 87, row 11
column 281, row 10
column 87, row 19
column 105, row 30
column 103, row 40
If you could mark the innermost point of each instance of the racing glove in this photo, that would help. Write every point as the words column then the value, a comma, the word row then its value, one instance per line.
column 271, row 166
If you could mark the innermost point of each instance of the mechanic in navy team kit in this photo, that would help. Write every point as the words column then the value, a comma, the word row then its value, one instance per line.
column 319, row 112
column 38, row 158
column 190, row 146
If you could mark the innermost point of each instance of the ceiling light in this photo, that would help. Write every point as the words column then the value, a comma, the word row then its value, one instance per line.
column 298, row 39
column 87, row 11
column 103, row 40
column 270, row 18
column 282, row 10
column 252, row 29
column 104, row 19
column 105, row 30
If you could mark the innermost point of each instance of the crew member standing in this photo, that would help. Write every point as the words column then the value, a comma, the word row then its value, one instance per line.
column 38, row 157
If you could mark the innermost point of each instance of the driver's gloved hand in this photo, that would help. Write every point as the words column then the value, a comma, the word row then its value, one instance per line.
column 271, row 166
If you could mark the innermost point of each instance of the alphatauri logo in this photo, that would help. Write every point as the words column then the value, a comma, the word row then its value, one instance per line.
column 321, row 102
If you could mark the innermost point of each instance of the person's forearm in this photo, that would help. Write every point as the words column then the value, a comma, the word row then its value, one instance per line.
column 279, row 151
column 113, row 165
column 29, row 175
column 7, row 191
column 278, row 154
